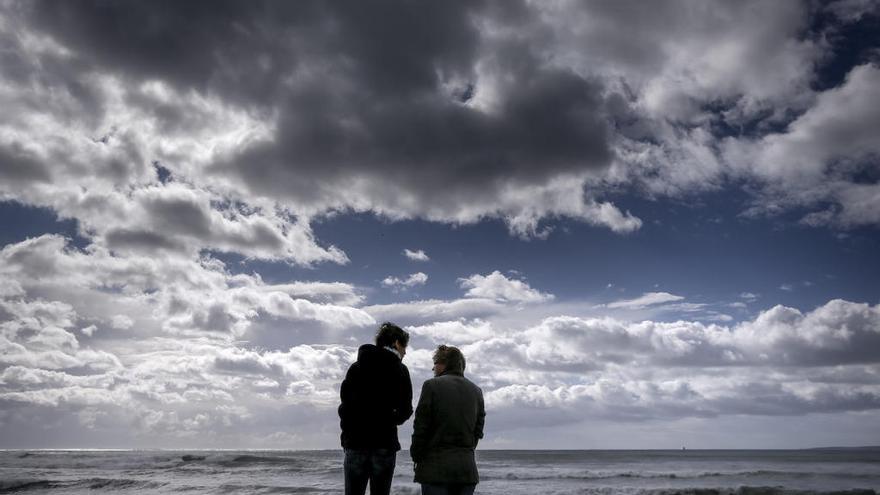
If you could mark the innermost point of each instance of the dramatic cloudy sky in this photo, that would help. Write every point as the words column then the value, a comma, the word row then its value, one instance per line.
column 646, row 224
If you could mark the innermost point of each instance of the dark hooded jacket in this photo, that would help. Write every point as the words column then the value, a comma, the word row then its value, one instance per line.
column 376, row 397
column 448, row 424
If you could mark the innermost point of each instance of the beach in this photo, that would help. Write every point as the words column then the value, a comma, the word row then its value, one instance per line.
column 703, row 472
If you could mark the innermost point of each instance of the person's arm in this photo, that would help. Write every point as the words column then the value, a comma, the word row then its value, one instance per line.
column 481, row 418
column 421, row 425
column 347, row 395
column 403, row 409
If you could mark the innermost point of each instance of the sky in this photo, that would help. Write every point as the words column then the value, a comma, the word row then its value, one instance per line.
column 645, row 224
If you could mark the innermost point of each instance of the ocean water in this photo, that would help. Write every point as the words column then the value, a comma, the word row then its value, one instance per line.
column 651, row 472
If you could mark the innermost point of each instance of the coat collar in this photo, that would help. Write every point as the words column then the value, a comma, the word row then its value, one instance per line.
column 389, row 348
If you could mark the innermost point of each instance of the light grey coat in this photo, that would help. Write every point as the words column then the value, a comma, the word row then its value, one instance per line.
column 448, row 424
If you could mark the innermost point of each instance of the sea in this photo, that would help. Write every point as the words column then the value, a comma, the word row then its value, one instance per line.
column 510, row 472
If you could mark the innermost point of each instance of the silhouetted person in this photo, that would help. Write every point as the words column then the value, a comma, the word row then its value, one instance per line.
column 376, row 397
column 448, row 424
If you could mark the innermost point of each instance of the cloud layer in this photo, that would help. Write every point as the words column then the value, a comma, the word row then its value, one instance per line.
column 524, row 112
column 170, row 142
column 148, row 353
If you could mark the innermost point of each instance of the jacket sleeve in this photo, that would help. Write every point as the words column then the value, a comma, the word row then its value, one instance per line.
column 421, row 424
column 403, row 408
column 481, row 418
column 346, row 396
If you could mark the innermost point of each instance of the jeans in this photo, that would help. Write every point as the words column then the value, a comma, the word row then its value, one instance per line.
column 449, row 489
column 373, row 465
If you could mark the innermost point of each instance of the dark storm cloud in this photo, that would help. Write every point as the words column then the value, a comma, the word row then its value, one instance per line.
column 244, row 49
column 550, row 122
column 452, row 111
column 381, row 92
column 231, row 47
column 394, row 107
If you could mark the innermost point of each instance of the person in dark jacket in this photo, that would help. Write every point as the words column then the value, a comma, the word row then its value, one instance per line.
column 448, row 424
column 376, row 397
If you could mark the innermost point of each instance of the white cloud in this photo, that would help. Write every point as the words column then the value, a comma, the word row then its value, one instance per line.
column 418, row 255
column 496, row 286
column 562, row 370
column 413, row 280
column 816, row 159
column 278, row 304
column 669, row 66
column 838, row 127
column 645, row 300
column 562, row 196
column 543, row 405
column 603, row 368
column 11, row 289
column 175, row 295
column 121, row 322
column 433, row 310
column 319, row 292
column 110, row 185
column 44, row 352
column 455, row 332
column 838, row 332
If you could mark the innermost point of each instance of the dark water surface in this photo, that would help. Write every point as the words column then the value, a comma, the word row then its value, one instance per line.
column 697, row 472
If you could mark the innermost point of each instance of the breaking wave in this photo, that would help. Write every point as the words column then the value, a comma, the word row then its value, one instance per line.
column 105, row 484
column 753, row 490
column 595, row 475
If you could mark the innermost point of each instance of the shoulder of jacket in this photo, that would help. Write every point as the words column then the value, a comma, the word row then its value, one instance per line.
column 474, row 386
column 431, row 382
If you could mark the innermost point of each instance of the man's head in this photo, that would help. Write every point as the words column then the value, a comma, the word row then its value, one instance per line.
column 391, row 335
column 448, row 358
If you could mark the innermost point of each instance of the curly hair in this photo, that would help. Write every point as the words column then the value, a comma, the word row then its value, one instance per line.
column 389, row 333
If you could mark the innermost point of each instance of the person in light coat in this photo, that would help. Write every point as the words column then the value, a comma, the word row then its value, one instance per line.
column 448, row 425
